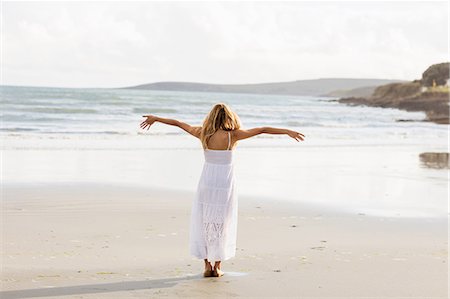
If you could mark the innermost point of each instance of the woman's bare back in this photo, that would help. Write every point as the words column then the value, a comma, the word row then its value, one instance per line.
column 219, row 140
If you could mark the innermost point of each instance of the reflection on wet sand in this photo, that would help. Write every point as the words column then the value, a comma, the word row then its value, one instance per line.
column 435, row 160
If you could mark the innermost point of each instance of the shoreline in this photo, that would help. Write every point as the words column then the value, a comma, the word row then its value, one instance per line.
column 116, row 242
column 367, row 179
column 280, row 204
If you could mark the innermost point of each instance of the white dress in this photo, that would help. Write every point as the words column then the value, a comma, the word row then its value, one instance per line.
column 213, row 227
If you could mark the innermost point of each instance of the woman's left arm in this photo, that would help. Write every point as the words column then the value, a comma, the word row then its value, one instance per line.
column 151, row 119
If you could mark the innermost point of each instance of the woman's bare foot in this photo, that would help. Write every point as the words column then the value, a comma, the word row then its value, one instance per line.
column 217, row 272
column 208, row 273
column 208, row 270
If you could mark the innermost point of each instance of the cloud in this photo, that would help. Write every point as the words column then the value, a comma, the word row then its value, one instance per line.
column 110, row 44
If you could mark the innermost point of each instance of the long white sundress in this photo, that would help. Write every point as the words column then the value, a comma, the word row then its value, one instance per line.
column 213, row 228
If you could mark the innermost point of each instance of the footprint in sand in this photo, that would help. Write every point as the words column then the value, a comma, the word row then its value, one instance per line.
column 318, row 248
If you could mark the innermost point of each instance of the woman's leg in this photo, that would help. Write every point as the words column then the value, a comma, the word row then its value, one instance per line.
column 217, row 271
column 207, row 265
column 208, row 269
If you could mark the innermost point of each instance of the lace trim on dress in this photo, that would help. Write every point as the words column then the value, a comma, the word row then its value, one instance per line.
column 213, row 224
column 213, row 232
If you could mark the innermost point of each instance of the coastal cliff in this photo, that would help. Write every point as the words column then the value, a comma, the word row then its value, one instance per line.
column 429, row 94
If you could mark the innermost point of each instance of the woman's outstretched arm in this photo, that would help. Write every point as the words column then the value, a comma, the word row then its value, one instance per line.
column 151, row 119
column 243, row 134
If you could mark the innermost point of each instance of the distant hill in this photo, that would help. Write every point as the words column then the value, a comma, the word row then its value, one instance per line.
column 312, row 87
column 417, row 95
column 355, row 92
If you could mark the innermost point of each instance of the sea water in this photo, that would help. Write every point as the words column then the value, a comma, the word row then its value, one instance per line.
column 357, row 158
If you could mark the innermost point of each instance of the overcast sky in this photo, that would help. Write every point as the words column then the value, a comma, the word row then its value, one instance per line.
column 115, row 44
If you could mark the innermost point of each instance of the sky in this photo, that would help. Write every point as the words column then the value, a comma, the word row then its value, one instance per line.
column 117, row 44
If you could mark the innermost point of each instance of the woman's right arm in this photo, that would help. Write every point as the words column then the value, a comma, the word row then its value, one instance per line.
column 193, row 130
column 243, row 134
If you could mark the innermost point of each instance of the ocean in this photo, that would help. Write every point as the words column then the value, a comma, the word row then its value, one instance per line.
column 32, row 111
column 355, row 157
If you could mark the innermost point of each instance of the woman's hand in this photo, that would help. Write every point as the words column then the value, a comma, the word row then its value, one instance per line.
column 148, row 122
column 296, row 135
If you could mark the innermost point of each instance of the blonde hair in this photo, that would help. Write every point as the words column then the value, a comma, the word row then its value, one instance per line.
column 220, row 117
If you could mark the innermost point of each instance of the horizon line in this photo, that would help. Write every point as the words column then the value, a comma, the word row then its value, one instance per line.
column 193, row 82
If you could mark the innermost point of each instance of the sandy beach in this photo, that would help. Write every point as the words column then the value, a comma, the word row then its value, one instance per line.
column 358, row 210
column 113, row 241
column 337, row 168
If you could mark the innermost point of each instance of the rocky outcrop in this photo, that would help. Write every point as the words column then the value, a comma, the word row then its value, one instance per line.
column 412, row 96
column 436, row 74
column 435, row 160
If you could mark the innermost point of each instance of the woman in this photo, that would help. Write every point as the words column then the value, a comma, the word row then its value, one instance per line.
column 214, row 211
